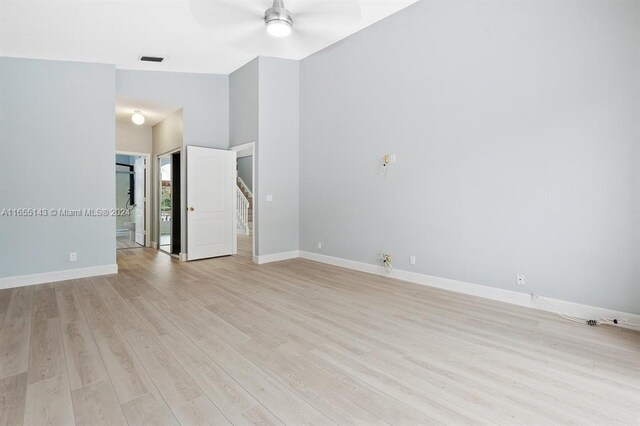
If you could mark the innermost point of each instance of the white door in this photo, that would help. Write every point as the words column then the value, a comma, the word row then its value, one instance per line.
column 139, row 199
column 211, row 184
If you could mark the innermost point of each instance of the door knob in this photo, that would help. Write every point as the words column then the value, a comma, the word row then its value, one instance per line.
column 191, row 209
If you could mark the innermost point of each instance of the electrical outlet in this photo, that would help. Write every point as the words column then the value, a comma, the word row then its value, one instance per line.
column 319, row 244
column 269, row 198
column 387, row 261
column 412, row 260
column 389, row 158
column 73, row 256
column 520, row 279
column 382, row 256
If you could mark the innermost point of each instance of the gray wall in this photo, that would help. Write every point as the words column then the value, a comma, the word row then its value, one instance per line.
column 204, row 99
column 125, row 159
column 264, row 108
column 245, row 171
column 243, row 121
column 277, row 155
column 166, row 136
column 133, row 138
column 57, row 140
column 243, row 104
column 516, row 129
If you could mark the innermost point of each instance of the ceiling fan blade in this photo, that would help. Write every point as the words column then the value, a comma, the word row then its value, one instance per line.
column 227, row 13
column 329, row 13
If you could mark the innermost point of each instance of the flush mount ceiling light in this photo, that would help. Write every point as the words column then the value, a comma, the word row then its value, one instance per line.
column 278, row 20
column 137, row 118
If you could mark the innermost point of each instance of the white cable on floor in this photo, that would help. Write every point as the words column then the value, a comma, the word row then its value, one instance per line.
column 567, row 317
column 612, row 321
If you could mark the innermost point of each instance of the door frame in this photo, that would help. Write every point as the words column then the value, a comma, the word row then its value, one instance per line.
column 238, row 148
column 158, row 187
column 148, row 199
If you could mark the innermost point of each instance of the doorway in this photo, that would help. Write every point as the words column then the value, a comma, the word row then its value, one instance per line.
column 169, row 212
column 246, row 196
column 131, row 201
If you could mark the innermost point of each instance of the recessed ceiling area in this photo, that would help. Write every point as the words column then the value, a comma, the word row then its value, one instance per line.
column 216, row 36
column 153, row 113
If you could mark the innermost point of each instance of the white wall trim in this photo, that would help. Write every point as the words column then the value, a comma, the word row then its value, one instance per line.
column 243, row 148
column 276, row 257
column 508, row 296
column 49, row 277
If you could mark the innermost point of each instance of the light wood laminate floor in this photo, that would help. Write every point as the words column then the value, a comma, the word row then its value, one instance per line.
column 296, row 342
column 126, row 243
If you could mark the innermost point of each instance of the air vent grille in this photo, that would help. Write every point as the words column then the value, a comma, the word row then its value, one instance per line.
column 151, row 59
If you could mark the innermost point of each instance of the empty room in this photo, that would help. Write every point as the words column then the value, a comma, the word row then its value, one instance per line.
column 400, row 212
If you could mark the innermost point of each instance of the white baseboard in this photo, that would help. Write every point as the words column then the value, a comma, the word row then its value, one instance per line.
column 508, row 296
column 276, row 257
column 49, row 277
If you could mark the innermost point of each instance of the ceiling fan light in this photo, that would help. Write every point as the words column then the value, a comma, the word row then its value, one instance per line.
column 278, row 19
column 278, row 28
column 137, row 118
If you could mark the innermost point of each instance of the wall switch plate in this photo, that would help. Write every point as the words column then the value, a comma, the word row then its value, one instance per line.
column 520, row 279
column 412, row 260
column 73, row 256
column 269, row 198
column 319, row 244
column 392, row 158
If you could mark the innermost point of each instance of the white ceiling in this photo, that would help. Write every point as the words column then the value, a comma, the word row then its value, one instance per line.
column 206, row 36
column 153, row 113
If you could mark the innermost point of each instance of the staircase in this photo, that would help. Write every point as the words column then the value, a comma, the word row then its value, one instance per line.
column 244, row 208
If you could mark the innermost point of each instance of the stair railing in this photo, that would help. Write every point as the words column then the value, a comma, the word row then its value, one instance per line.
column 242, row 211
column 244, row 186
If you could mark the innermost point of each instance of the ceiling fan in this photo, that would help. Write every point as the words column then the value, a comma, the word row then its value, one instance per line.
column 253, row 26
column 278, row 20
